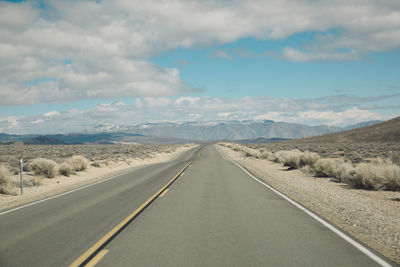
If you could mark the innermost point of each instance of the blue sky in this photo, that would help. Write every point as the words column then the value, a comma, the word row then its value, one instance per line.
column 68, row 66
column 264, row 74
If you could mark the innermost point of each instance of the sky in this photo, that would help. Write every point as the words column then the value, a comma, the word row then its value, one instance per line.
column 67, row 66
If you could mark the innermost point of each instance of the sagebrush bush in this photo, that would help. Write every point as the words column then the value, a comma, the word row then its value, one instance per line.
column 4, row 180
column 391, row 173
column 266, row 155
column 373, row 176
column 236, row 148
column 248, row 153
column 338, row 169
column 308, row 158
column 65, row 169
column 28, row 182
column 295, row 159
column 281, row 156
column 45, row 167
column 78, row 163
column 95, row 164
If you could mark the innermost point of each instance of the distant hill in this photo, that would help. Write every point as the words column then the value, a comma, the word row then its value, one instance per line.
column 388, row 131
column 43, row 140
column 260, row 140
column 88, row 138
column 361, row 125
column 9, row 138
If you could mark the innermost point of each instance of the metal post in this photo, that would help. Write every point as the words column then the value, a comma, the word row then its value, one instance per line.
column 21, row 165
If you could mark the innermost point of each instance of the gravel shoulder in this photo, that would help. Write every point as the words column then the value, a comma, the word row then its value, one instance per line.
column 370, row 216
column 60, row 184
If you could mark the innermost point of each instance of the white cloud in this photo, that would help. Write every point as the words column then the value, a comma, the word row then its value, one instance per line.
column 186, row 100
column 158, row 102
column 222, row 54
column 51, row 113
column 301, row 56
column 346, row 117
column 37, row 121
column 106, row 43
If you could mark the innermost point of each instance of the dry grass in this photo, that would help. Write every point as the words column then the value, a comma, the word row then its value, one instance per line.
column 64, row 160
column 45, row 167
column 236, row 148
column 337, row 169
column 296, row 159
column 78, row 163
column 354, row 152
column 266, row 155
column 375, row 176
column 9, row 154
column 65, row 169
column 28, row 182
column 369, row 174
column 4, row 180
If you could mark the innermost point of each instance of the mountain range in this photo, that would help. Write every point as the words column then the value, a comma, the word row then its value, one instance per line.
column 228, row 130
column 248, row 131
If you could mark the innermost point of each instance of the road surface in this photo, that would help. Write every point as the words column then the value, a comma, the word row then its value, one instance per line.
column 214, row 214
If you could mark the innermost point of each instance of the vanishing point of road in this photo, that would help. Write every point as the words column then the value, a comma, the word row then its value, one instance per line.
column 197, row 210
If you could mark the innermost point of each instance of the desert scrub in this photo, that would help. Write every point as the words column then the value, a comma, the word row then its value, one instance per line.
column 296, row 159
column 61, row 153
column 376, row 176
column 28, row 182
column 354, row 152
column 266, row 155
column 337, row 169
column 4, row 180
column 248, row 153
column 236, row 148
column 45, row 167
column 78, row 163
column 308, row 158
column 95, row 164
column 65, row 169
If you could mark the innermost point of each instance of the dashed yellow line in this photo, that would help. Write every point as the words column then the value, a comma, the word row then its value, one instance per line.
column 97, row 258
column 163, row 193
column 79, row 261
column 201, row 153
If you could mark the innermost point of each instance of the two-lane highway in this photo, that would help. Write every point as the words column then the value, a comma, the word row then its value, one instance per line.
column 57, row 231
column 214, row 214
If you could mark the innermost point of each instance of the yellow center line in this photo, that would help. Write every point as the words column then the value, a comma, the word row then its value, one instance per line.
column 163, row 193
column 97, row 258
column 124, row 222
column 201, row 152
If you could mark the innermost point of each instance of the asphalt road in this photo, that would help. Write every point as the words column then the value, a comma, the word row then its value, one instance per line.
column 57, row 231
column 214, row 214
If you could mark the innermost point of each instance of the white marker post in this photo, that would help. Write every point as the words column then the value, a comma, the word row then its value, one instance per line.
column 21, row 168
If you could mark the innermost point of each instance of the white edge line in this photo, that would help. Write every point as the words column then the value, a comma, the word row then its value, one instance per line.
column 64, row 193
column 360, row 247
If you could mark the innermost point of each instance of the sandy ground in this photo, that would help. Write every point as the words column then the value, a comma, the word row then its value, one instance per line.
column 60, row 184
column 372, row 217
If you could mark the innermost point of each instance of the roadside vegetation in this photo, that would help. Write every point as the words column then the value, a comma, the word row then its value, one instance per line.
column 4, row 180
column 50, row 161
column 374, row 173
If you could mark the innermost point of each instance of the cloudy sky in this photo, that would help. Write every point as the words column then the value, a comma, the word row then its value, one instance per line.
column 66, row 66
